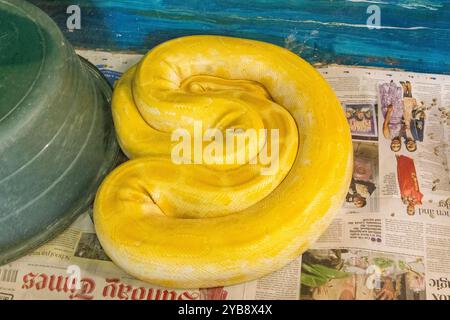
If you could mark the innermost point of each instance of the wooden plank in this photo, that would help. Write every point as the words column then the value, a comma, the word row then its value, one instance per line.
column 415, row 35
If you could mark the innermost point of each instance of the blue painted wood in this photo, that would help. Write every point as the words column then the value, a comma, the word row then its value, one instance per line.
column 415, row 34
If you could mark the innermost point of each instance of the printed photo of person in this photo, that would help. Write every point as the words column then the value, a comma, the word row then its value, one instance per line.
column 351, row 274
column 408, row 183
column 362, row 195
column 404, row 118
column 418, row 123
column 362, row 120
column 391, row 101
column 409, row 106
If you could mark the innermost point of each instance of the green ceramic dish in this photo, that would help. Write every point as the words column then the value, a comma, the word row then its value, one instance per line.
column 57, row 139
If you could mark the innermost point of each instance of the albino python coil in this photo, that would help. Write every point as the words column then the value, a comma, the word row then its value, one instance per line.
column 212, row 223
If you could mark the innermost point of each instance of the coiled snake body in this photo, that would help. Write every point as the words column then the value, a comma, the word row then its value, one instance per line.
column 216, row 223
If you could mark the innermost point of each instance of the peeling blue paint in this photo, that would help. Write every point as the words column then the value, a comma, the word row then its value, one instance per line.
column 415, row 34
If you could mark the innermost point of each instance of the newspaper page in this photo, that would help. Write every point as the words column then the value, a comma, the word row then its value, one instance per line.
column 390, row 240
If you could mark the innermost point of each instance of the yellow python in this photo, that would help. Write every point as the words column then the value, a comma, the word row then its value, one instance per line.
column 212, row 224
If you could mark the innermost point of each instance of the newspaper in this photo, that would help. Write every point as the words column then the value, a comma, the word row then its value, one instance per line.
column 390, row 240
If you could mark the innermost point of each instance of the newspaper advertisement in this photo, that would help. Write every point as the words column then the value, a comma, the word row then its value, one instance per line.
column 390, row 240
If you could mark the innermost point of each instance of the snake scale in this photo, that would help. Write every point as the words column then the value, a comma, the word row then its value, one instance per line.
column 214, row 223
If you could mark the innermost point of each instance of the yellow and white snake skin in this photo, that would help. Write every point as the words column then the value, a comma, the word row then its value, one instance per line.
column 211, row 224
